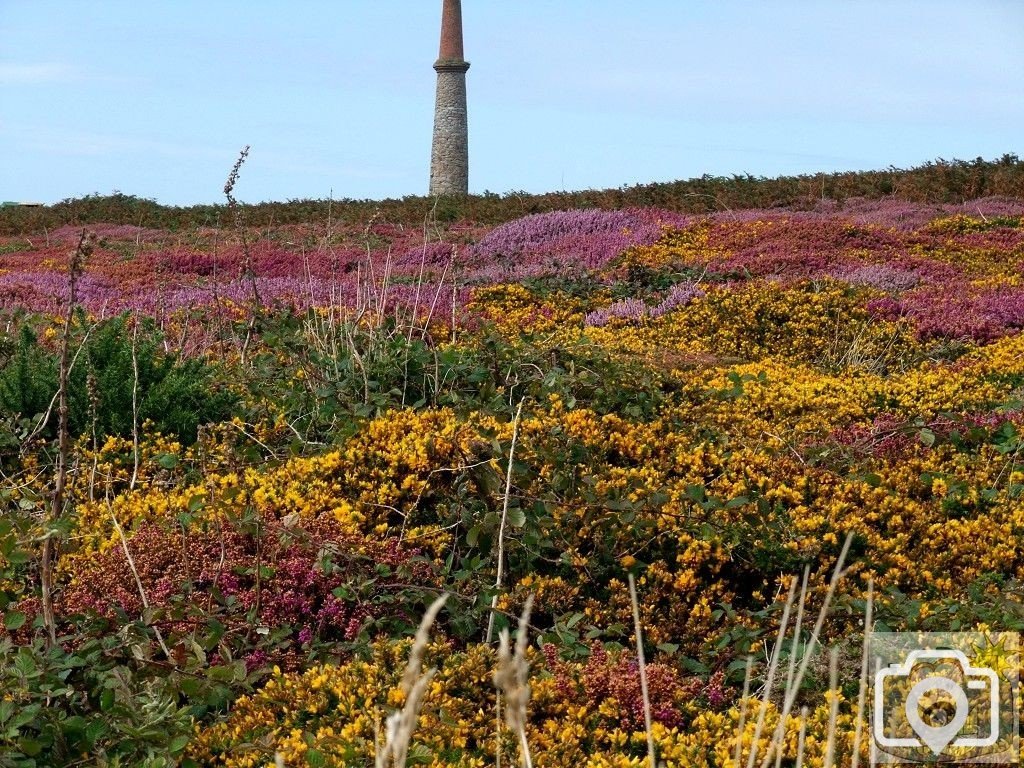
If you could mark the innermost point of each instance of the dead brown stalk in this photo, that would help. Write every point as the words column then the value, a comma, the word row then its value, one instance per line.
column 56, row 512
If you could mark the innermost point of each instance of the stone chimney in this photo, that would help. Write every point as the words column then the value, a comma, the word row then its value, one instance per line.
column 449, row 157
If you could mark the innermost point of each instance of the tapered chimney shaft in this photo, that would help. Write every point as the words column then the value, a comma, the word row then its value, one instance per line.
column 449, row 157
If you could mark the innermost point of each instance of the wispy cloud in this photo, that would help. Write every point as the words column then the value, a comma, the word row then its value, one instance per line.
column 36, row 74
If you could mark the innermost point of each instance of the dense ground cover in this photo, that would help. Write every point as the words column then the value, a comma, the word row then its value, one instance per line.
column 283, row 442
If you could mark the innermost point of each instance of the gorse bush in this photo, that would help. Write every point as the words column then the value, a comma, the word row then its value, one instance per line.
column 705, row 411
column 325, row 379
column 112, row 358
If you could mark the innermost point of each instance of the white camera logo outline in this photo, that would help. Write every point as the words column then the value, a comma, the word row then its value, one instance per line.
column 945, row 736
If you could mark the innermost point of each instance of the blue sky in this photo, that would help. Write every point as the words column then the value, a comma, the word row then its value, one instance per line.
column 155, row 98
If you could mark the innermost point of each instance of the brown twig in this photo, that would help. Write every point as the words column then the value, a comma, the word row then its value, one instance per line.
column 135, row 573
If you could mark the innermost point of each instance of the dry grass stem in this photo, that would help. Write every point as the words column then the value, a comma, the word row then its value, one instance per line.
column 858, row 722
column 500, row 577
column 642, row 664
column 801, row 738
column 833, row 709
column 808, row 653
column 511, row 678
column 419, row 646
column 400, row 725
column 773, row 666
column 135, row 573
column 794, row 648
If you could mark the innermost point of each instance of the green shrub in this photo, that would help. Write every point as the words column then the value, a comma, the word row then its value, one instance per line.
column 177, row 395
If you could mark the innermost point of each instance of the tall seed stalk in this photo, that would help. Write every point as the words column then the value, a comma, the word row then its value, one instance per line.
column 49, row 553
column 247, row 272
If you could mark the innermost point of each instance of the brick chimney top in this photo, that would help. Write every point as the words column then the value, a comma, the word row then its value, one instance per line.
column 451, row 32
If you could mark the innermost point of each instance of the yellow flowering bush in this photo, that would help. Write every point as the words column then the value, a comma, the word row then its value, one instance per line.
column 713, row 412
column 334, row 715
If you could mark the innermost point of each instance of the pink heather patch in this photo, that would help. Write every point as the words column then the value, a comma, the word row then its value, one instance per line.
column 882, row 245
column 633, row 309
column 562, row 241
